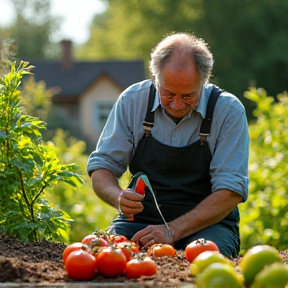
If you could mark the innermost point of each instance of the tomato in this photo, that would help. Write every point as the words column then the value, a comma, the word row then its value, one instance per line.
column 134, row 247
column 128, row 248
column 255, row 259
column 160, row 250
column 111, row 262
column 127, row 252
column 196, row 247
column 274, row 275
column 80, row 265
column 87, row 239
column 118, row 239
column 98, row 242
column 205, row 259
column 136, row 268
column 70, row 248
column 219, row 275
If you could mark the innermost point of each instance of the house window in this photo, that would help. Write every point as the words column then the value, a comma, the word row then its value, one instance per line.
column 102, row 110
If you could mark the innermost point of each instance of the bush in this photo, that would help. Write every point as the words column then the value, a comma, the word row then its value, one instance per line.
column 265, row 214
column 28, row 166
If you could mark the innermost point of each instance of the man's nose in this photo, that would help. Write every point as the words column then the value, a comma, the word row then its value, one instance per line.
column 177, row 103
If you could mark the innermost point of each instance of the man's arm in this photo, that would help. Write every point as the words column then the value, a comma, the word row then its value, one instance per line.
column 107, row 188
column 210, row 211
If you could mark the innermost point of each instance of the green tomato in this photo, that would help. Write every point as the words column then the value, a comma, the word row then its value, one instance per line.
column 256, row 259
column 273, row 276
column 205, row 259
column 219, row 275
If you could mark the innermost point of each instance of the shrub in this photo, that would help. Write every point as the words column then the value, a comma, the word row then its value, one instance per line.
column 265, row 214
column 28, row 166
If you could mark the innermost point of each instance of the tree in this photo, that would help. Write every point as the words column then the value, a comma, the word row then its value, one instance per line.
column 32, row 30
column 248, row 38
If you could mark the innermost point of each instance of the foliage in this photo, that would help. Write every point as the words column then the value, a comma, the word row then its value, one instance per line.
column 248, row 38
column 84, row 207
column 27, row 167
column 265, row 214
column 88, row 211
column 32, row 30
column 36, row 99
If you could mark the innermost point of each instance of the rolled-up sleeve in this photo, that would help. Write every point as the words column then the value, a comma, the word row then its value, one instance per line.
column 115, row 144
column 229, row 164
column 122, row 132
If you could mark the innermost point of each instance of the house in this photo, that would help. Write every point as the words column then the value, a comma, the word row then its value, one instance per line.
column 86, row 91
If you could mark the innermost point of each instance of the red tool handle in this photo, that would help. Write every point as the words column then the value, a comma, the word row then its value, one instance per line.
column 140, row 186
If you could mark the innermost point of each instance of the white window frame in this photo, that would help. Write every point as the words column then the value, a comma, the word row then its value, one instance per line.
column 101, row 111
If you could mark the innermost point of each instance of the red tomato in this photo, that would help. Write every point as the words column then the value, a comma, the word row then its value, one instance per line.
column 136, row 268
column 127, row 252
column 70, row 248
column 196, row 247
column 98, row 242
column 128, row 248
column 120, row 238
column 80, row 265
column 111, row 262
column 87, row 239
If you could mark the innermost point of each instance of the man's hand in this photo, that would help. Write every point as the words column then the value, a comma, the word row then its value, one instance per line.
column 153, row 234
column 130, row 203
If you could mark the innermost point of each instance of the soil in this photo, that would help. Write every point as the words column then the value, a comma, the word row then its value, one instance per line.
column 41, row 262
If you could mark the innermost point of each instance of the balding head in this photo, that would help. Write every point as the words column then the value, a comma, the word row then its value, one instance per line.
column 180, row 50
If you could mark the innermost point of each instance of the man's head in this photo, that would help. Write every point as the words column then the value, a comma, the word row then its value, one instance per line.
column 180, row 65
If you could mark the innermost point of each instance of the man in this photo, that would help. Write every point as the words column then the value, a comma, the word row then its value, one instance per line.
column 199, row 174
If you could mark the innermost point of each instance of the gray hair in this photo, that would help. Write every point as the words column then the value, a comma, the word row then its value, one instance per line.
column 199, row 52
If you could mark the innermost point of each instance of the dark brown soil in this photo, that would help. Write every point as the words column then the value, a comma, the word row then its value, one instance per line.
column 41, row 262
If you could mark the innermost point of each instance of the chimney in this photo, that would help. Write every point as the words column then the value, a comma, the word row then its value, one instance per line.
column 67, row 61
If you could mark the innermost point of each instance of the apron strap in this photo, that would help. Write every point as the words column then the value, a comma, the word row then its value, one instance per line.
column 148, row 122
column 206, row 122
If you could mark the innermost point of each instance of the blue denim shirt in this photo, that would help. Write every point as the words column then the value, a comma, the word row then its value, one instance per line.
column 228, row 140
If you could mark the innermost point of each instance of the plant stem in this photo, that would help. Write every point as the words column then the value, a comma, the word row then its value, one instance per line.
column 30, row 207
column 36, row 197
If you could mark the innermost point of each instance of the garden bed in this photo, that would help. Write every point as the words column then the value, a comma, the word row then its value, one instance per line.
column 41, row 262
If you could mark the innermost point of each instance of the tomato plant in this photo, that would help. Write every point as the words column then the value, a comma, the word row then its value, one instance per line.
column 196, row 247
column 111, row 262
column 136, row 268
column 70, row 248
column 160, row 250
column 80, row 265
column 29, row 166
column 255, row 259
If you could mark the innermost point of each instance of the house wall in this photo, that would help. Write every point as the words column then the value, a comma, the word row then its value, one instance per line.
column 103, row 93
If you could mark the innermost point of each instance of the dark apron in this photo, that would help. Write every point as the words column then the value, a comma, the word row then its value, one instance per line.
column 179, row 175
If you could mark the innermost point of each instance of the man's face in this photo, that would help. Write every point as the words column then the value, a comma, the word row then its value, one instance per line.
column 179, row 89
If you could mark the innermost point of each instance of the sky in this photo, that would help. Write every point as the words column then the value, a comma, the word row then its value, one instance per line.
column 76, row 14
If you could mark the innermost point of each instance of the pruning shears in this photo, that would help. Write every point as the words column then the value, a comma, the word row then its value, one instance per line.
column 139, row 183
